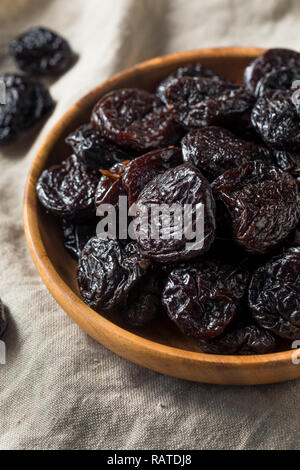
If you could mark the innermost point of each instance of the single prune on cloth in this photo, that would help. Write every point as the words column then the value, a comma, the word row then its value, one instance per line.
column 214, row 150
column 68, row 189
column 143, row 169
column 107, row 272
column 144, row 304
column 203, row 299
column 274, row 295
column 180, row 186
column 190, row 70
column 265, row 71
column 40, row 51
column 199, row 102
column 263, row 203
column 276, row 118
column 95, row 151
column 135, row 119
column 3, row 319
column 243, row 340
column 26, row 102
column 76, row 235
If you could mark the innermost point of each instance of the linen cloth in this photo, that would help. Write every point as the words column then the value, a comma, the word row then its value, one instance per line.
column 59, row 388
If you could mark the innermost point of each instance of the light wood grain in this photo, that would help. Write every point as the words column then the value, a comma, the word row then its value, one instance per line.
column 162, row 347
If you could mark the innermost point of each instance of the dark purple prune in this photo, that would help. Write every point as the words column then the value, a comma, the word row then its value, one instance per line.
column 281, row 79
column 288, row 161
column 263, row 203
column 203, row 299
column 221, row 109
column 179, row 186
column 95, row 151
column 143, row 169
column 243, row 340
column 199, row 102
column 107, row 272
column 135, row 119
column 26, row 102
column 110, row 186
column 144, row 305
column 274, row 295
column 40, row 51
column 276, row 118
column 3, row 319
column 190, row 70
column 76, row 235
column 214, row 150
column 272, row 62
column 68, row 189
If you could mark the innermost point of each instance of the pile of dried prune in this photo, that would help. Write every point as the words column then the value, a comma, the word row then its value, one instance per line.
column 210, row 237
column 24, row 100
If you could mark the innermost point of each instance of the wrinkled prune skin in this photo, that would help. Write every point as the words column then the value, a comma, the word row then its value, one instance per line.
column 274, row 295
column 3, row 319
column 76, row 235
column 110, row 186
column 214, row 150
column 181, row 185
column 276, row 119
column 241, row 340
column 272, row 62
column 107, row 272
column 95, row 151
column 288, row 161
column 199, row 102
column 26, row 102
column 68, row 189
column 204, row 299
column 144, row 305
column 281, row 79
column 221, row 109
column 135, row 119
column 40, row 51
column 143, row 169
column 190, row 70
column 263, row 203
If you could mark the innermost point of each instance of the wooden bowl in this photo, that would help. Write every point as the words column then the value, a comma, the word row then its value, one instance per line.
column 160, row 347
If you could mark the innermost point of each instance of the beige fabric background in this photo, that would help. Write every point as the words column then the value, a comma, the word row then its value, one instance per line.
column 60, row 389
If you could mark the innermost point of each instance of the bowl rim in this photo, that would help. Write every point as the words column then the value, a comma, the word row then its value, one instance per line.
column 56, row 285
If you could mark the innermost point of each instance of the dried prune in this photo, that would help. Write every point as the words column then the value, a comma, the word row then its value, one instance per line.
column 243, row 340
column 179, row 186
column 221, row 109
column 40, row 51
column 276, row 118
column 68, row 189
column 263, row 203
column 274, row 295
column 135, row 119
column 199, row 102
column 203, row 299
column 95, row 151
column 110, row 186
column 107, row 272
column 143, row 169
column 76, row 235
column 26, row 102
column 267, row 70
column 288, row 161
column 214, row 150
column 3, row 319
column 190, row 70
column 144, row 305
